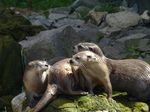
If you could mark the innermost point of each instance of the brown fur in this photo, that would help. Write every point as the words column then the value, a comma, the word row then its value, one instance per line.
column 35, row 79
column 94, row 70
column 61, row 80
column 130, row 75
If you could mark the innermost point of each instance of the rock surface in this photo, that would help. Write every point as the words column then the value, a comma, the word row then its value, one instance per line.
column 123, row 19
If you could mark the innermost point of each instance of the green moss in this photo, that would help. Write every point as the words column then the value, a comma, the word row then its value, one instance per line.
column 5, row 103
column 90, row 103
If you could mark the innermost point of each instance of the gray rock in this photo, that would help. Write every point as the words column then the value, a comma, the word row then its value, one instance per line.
column 112, row 53
column 134, row 36
column 68, row 21
column 142, row 5
column 124, row 3
column 131, row 40
column 56, row 17
column 144, row 45
column 17, row 103
column 82, row 10
column 42, row 22
column 104, row 42
column 97, row 17
column 61, row 10
column 87, row 3
column 75, row 15
column 147, row 58
column 40, row 17
column 145, row 17
column 123, row 19
column 89, row 33
column 102, row 25
column 51, row 43
column 110, row 32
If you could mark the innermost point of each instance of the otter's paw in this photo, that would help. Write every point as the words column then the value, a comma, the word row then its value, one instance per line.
column 111, row 100
column 33, row 103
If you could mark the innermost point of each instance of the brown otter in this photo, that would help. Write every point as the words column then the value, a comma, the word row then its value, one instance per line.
column 94, row 70
column 35, row 79
column 61, row 80
column 130, row 75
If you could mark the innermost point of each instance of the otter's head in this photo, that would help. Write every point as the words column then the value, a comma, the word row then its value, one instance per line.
column 84, row 58
column 86, row 46
column 38, row 66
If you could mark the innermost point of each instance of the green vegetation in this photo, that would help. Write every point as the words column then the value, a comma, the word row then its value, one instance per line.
column 35, row 4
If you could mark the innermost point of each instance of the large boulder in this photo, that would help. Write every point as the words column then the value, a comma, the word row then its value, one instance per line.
column 99, row 103
column 51, row 43
column 123, row 19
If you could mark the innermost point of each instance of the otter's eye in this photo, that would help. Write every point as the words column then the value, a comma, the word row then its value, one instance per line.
column 77, row 58
column 73, row 47
column 89, row 56
column 90, row 48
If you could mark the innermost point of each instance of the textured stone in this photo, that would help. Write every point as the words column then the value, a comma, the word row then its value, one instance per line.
column 123, row 19
column 51, row 43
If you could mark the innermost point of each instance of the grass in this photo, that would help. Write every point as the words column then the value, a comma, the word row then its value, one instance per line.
column 36, row 4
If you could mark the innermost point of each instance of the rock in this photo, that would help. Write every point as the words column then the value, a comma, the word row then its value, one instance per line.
column 42, row 22
column 68, row 21
column 123, row 19
column 17, row 102
column 51, row 43
column 102, row 25
column 56, row 17
column 133, row 36
column 104, row 42
column 131, row 40
column 11, row 78
column 112, row 53
column 97, row 17
column 5, row 104
column 82, row 10
column 140, row 4
column 87, row 3
column 110, row 32
column 75, row 15
column 147, row 58
column 144, row 45
column 145, row 17
column 61, row 10
column 98, row 103
column 89, row 33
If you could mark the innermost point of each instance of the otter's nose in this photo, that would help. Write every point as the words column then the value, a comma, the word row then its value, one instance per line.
column 71, row 61
column 73, row 47
column 46, row 65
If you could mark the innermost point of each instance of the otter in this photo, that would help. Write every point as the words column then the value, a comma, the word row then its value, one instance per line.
column 94, row 70
column 61, row 80
column 35, row 80
column 129, row 75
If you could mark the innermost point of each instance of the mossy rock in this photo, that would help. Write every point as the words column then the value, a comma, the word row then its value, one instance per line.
column 90, row 103
column 5, row 103
column 11, row 65
column 16, row 26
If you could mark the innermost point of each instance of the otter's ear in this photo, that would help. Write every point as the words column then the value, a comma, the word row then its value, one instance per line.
column 91, row 48
column 80, row 46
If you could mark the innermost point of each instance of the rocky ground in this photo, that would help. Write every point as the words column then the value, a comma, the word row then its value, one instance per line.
column 122, row 34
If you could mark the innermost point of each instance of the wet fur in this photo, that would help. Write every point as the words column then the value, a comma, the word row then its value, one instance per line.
column 129, row 75
column 94, row 70
column 61, row 80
